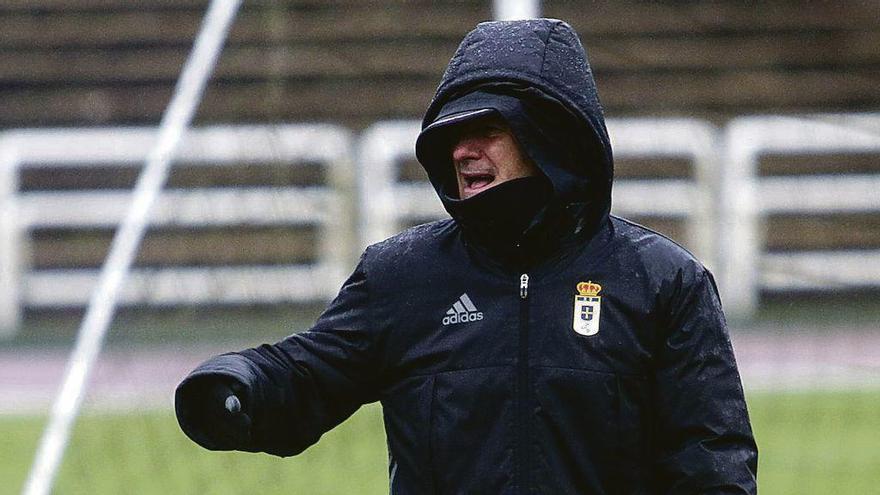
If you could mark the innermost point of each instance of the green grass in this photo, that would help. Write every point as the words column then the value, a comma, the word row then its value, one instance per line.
column 817, row 443
column 148, row 454
column 810, row 443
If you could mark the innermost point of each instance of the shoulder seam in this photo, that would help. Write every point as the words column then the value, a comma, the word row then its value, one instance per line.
column 378, row 244
column 673, row 241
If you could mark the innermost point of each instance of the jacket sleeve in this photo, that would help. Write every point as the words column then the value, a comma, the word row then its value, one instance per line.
column 705, row 439
column 299, row 388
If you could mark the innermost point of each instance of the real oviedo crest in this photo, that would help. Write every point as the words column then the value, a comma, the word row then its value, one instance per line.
column 587, row 305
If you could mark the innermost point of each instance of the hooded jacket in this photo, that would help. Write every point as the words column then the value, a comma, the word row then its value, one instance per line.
column 593, row 360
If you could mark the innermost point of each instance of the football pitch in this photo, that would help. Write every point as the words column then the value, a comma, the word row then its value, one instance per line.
column 810, row 443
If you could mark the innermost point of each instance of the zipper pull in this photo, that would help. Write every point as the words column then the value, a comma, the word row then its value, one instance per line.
column 524, row 286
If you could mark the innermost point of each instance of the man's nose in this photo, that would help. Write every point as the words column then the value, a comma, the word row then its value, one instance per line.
column 468, row 147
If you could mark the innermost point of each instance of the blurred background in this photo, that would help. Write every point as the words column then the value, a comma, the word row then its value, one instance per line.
column 749, row 132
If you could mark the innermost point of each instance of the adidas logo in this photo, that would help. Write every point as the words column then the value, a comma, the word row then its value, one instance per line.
column 462, row 311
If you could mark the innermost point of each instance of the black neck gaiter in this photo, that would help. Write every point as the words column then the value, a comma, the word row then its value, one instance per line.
column 498, row 217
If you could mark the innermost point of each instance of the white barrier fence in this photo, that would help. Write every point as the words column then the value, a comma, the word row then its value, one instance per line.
column 722, row 204
column 327, row 207
column 745, row 199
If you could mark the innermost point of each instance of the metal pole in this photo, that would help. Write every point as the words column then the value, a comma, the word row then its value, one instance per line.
column 102, row 305
column 509, row 10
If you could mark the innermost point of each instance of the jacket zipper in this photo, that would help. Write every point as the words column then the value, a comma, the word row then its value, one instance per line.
column 523, row 390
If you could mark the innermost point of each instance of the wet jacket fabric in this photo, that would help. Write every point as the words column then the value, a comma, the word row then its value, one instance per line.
column 493, row 376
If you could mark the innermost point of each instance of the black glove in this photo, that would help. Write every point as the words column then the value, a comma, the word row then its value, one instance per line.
column 214, row 412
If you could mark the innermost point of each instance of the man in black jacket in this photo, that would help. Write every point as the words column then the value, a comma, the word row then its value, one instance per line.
column 533, row 343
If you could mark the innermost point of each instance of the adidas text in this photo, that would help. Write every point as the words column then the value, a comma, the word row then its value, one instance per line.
column 462, row 318
column 462, row 311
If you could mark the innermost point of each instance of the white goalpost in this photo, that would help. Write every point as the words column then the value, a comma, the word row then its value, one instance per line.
column 102, row 304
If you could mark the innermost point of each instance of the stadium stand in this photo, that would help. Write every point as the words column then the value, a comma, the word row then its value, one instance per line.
column 113, row 62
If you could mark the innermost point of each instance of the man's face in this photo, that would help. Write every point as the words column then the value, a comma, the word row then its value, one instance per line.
column 485, row 154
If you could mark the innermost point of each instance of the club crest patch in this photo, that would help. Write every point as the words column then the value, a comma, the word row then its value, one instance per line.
column 587, row 305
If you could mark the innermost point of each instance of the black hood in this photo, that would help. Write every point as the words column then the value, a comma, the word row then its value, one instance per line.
column 535, row 73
